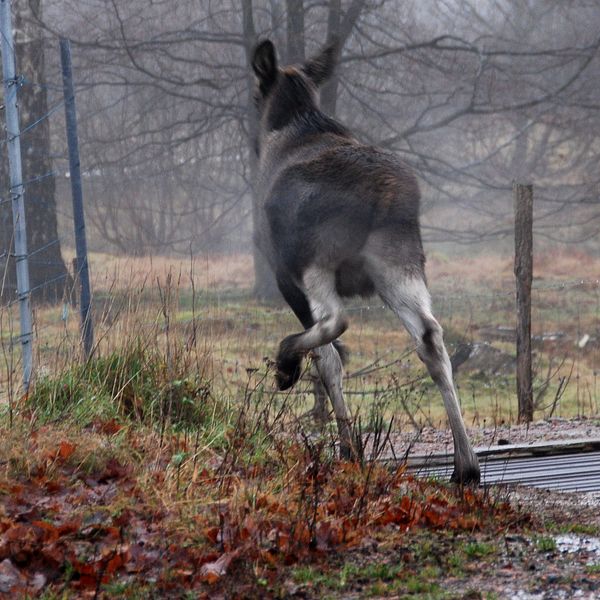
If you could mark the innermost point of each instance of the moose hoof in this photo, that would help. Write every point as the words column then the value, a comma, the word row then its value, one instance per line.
column 467, row 475
column 289, row 363
column 289, row 369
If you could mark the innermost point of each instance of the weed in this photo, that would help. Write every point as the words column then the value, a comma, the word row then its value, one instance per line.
column 479, row 549
column 131, row 384
column 546, row 544
column 575, row 528
column 307, row 575
column 370, row 572
column 456, row 562
column 417, row 585
column 592, row 569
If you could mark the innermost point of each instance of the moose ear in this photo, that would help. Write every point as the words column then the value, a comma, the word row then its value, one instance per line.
column 320, row 68
column 264, row 64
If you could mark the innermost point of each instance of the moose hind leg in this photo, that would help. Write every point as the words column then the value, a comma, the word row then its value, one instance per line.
column 289, row 369
column 410, row 300
column 328, row 323
column 289, row 365
column 329, row 365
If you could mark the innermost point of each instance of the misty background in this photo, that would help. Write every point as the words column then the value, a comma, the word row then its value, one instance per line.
column 472, row 94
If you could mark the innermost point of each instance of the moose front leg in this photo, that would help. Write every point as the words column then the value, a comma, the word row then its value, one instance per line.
column 320, row 411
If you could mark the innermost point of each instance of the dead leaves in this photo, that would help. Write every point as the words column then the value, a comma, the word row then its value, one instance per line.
column 337, row 509
column 211, row 572
column 62, row 526
column 65, row 450
column 44, row 533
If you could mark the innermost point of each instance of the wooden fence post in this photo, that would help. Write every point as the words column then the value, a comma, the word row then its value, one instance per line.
column 523, row 201
column 81, row 271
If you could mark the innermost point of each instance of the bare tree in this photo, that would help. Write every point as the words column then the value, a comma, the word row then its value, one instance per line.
column 473, row 95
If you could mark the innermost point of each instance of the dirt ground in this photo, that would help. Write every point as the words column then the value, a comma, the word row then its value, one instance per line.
column 559, row 558
column 432, row 441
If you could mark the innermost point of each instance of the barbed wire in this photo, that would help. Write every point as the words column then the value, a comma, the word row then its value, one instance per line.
column 37, row 255
column 438, row 296
column 43, row 118
column 23, row 81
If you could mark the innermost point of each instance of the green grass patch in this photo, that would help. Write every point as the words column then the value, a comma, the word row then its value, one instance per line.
column 592, row 569
column 479, row 549
column 575, row 528
column 545, row 544
column 136, row 384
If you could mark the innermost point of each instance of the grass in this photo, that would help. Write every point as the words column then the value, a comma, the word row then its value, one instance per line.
column 546, row 544
column 421, row 571
column 137, row 381
column 479, row 549
column 258, row 494
column 170, row 449
column 217, row 315
column 375, row 579
column 592, row 569
column 590, row 529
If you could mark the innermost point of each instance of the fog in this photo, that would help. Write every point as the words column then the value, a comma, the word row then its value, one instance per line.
column 473, row 94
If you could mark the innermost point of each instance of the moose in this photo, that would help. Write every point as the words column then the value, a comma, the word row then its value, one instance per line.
column 339, row 218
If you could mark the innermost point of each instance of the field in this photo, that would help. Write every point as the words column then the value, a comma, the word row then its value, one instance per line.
column 168, row 466
column 473, row 299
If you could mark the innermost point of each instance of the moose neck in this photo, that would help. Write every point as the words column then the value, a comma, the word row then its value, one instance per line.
column 291, row 100
column 302, row 117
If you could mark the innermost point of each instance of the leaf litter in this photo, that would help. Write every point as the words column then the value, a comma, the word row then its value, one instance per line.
column 65, row 527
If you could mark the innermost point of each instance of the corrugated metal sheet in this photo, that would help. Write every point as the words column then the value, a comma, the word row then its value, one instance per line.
column 573, row 466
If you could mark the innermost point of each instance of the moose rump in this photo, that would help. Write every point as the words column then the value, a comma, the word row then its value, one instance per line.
column 340, row 218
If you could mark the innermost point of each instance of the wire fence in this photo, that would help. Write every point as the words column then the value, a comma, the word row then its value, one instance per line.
column 478, row 318
column 31, row 246
column 236, row 334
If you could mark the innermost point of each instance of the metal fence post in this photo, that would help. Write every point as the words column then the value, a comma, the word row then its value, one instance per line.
column 523, row 199
column 82, row 273
column 17, row 191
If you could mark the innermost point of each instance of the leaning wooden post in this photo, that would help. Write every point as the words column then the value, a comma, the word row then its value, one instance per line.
column 81, row 272
column 523, row 199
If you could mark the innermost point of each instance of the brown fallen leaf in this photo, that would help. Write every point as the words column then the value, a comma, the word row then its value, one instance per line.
column 213, row 571
column 109, row 427
column 66, row 449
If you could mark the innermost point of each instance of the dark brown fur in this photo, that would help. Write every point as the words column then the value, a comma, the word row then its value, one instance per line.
column 324, row 192
column 339, row 218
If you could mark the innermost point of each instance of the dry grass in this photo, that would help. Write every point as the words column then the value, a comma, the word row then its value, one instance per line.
column 213, row 272
column 141, row 298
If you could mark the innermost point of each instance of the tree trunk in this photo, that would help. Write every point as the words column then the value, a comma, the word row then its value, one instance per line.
column 329, row 92
column 340, row 29
column 265, row 286
column 295, row 32
column 48, row 274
